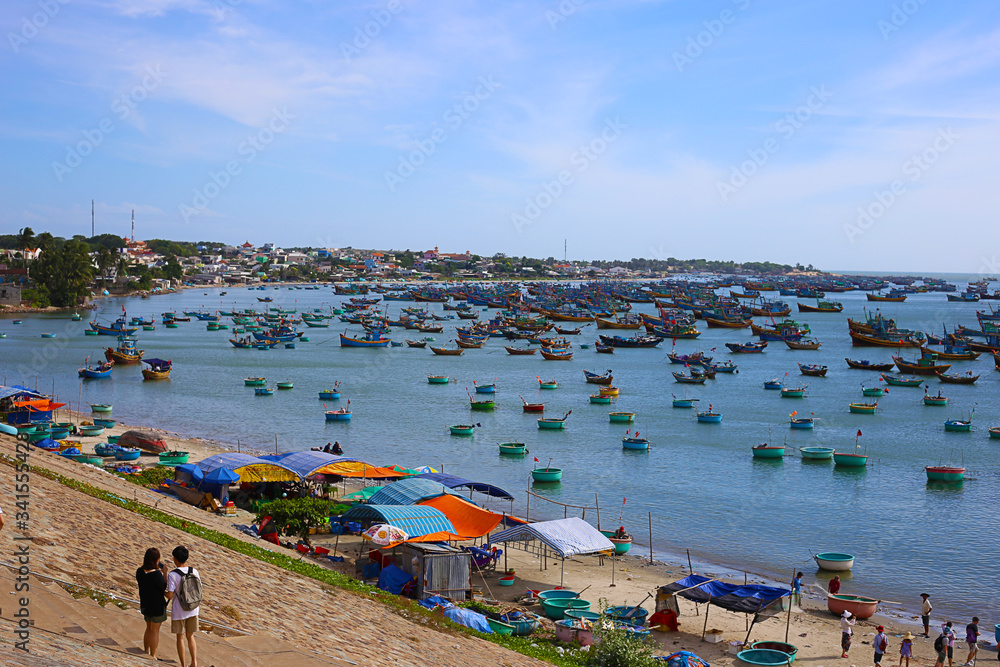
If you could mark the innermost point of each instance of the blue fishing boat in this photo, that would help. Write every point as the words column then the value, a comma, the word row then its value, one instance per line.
column 709, row 416
column 101, row 370
column 485, row 388
column 126, row 454
column 773, row 384
column 371, row 339
column 747, row 348
column 636, row 443
column 684, row 402
column 341, row 415
column 801, row 422
column 118, row 328
column 263, row 391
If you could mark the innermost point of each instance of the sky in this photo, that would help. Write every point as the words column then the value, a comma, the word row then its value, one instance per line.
column 848, row 134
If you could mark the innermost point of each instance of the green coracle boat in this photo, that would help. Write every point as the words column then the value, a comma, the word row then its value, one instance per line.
column 546, row 474
column 438, row 379
column 768, row 452
column 621, row 417
column 863, row 408
column 462, row 429
column 513, row 448
column 100, row 407
column 254, row 382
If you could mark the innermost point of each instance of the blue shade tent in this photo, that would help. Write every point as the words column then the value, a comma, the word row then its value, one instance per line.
column 748, row 599
column 409, row 491
column 249, row 468
column 415, row 520
column 307, row 464
column 192, row 470
column 221, row 476
column 566, row 537
column 454, row 482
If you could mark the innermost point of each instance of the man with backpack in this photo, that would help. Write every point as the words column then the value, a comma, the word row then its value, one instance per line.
column 184, row 593
column 941, row 644
column 880, row 644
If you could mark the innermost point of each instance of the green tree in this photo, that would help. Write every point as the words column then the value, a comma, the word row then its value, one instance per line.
column 295, row 516
column 65, row 272
column 105, row 261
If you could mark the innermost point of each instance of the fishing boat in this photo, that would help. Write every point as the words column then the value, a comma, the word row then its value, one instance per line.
column 891, row 297
column 817, row 453
column 813, row 370
column 935, row 400
column 636, row 443
column 748, row 347
column 445, row 352
column 863, row 408
column 263, row 391
column 766, row 451
column 922, row 366
column 633, row 341
column 866, row 365
column 959, row 378
column 547, row 384
column 48, row 335
column 944, row 473
column 801, row 422
column 513, row 448
column 621, row 417
column 594, row 378
column 609, row 391
column 898, row 381
column 721, row 323
column 622, row 545
column 126, row 454
column 995, row 432
column 100, row 407
column 286, row 384
column 173, row 458
column 520, row 350
column 485, row 388
column 371, row 339
column 125, row 353
column 159, row 369
column 600, row 399
column 118, row 328
column 803, row 344
column 462, row 429
column 90, row 431
column 833, row 561
column 438, row 379
column 569, row 332
column 773, row 384
column 604, row 349
column 861, row 607
column 820, row 307
column 860, row 339
column 254, row 382
column 793, row 392
column 546, row 474
column 341, row 415
column 102, row 370
column 470, row 344
column 709, row 416
column 872, row 391
column 684, row 402
column 482, row 406
column 553, row 423
column 415, row 343
column 959, row 425
column 556, row 355
column 689, row 379
column 952, row 353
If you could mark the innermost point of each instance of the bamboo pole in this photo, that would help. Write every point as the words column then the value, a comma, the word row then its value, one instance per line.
column 704, row 628
column 788, row 621
column 690, row 567
column 650, row 538
column 598, row 505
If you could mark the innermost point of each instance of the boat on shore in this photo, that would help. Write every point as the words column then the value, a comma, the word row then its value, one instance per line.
column 861, row 607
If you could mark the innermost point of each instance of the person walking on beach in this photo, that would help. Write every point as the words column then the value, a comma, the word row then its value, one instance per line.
column 972, row 639
column 797, row 589
column 184, row 593
column 925, row 612
column 949, row 635
column 906, row 649
column 151, row 577
column 941, row 648
column 834, row 587
column 847, row 622
column 880, row 644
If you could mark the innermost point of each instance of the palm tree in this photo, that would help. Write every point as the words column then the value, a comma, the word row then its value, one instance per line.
column 122, row 264
column 105, row 261
column 25, row 239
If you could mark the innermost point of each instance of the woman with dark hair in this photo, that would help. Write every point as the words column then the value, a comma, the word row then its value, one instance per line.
column 152, row 581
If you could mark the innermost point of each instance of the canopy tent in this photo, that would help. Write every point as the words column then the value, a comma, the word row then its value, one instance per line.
column 565, row 537
column 409, row 491
column 307, row 464
column 249, row 468
column 422, row 524
column 747, row 599
column 455, row 482
column 24, row 405
column 18, row 390
column 469, row 520
column 362, row 494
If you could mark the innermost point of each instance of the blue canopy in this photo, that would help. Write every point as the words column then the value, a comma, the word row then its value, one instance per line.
column 748, row 599
column 191, row 469
column 251, row 468
column 18, row 390
column 409, row 491
column 416, row 520
column 454, row 482
column 221, row 476
column 306, row 464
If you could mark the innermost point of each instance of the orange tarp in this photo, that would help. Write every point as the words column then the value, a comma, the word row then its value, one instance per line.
column 469, row 520
column 40, row 404
column 359, row 469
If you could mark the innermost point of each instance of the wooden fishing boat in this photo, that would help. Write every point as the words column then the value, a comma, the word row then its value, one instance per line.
column 723, row 367
column 872, row 391
column 688, row 359
column 100, row 407
column 688, row 379
column 935, row 400
column 765, row 451
column 802, row 422
column 923, row 366
column 944, row 473
column 773, row 384
column 469, row 344
column 639, row 444
column 684, row 402
column 159, row 369
column 462, row 429
column 286, row 384
column 863, row 408
column 626, row 323
column 263, row 391
column 862, row 607
column 547, row 384
column 793, row 392
column 621, row 417
column 446, row 352
column 820, row 307
column 803, row 344
column 833, row 561
column 254, row 382
column 609, row 391
column 125, row 353
column 610, row 349
column 897, row 381
column 633, row 341
column 713, row 322
column 102, row 370
column 890, row 299
column 960, row 378
column 415, row 343
column 546, row 474
column 862, row 339
column 520, row 350
column 532, row 407
column 952, row 353
column 569, row 332
column 553, row 423
column 594, row 378
column 371, row 339
column 709, row 417
column 556, row 356
column 341, row 415
column 600, row 399
column 813, row 370
column 513, row 448
column 747, row 348
column 866, row 365
column 817, row 453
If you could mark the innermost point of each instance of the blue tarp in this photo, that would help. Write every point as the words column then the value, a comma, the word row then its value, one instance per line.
column 392, row 579
column 454, row 482
column 469, row 618
column 16, row 390
column 416, row 520
column 748, row 599
column 409, row 491
column 305, row 464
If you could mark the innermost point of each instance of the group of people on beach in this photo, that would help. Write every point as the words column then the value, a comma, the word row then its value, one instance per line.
column 181, row 587
column 944, row 645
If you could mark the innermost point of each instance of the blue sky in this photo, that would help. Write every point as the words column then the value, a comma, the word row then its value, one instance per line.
column 849, row 134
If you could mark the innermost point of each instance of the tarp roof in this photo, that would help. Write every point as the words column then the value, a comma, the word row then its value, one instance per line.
column 249, row 468
column 567, row 537
column 409, row 491
column 454, row 482
column 420, row 523
column 748, row 599
column 362, row 494
column 469, row 520
column 307, row 464
column 16, row 390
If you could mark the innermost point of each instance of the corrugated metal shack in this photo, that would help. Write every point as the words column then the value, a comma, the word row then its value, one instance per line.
column 439, row 569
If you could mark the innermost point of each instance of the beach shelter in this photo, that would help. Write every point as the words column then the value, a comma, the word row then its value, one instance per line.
column 744, row 598
column 470, row 520
column 307, row 464
column 362, row 494
column 563, row 537
column 422, row 524
column 249, row 468
column 409, row 491
column 455, row 482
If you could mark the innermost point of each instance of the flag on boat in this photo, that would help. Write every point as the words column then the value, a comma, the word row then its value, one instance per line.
column 859, row 432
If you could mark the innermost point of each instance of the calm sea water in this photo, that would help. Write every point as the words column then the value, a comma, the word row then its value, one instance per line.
column 705, row 491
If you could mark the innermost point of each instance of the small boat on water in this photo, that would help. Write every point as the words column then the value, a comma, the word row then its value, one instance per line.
column 684, row 402
column 556, row 355
column 766, row 451
column 958, row 378
column 923, row 366
column 604, row 349
column 100, row 407
column 531, row 407
column 748, row 347
column 833, row 561
column 861, row 607
column 944, row 473
column 803, row 344
column 547, row 384
column 813, row 370
column 689, row 379
column 513, row 448
column 438, row 379
column 995, row 432
column 773, row 384
column 485, row 388
column 286, row 384
column 462, row 429
column 595, row 378
column 801, row 422
column 793, row 392
column 635, row 443
column 872, row 391
column 263, row 391
column 159, row 369
column 600, row 399
column 482, row 406
column 934, row 400
column 709, row 416
column 254, row 382
column 546, row 474
column 866, row 365
column 520, row 350
column 102, row 370
column 959, row 425
column 621, row 417
column 899, row 381
column 609, row 391
column 341, row 415
column 445, row 352
column 553, row 423
column 415, row 343
column 863, row 408
column 848, row 460
column 817, row 453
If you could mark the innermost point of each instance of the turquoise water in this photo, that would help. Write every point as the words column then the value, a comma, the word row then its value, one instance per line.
column 700, row 482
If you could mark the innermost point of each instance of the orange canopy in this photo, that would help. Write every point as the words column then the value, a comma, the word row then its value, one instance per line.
column 469, row 520
column 40, row 404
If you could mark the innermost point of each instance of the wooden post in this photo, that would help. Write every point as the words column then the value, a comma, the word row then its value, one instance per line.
column 275, row 443
column 613, row 566
column 237, row 445
column 527, row 505
column 705, row 628
column 690, row 567
column 598, row 505
column 788, row 621
column 650, row 538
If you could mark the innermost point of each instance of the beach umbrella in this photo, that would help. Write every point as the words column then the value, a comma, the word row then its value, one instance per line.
column 383, row 534
column 221, row 476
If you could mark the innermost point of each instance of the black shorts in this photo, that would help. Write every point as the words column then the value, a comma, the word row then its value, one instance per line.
column 878, row 658
column 951, row 649
column 926, row 620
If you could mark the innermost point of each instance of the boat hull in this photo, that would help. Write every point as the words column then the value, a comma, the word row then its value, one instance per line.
column 944, row 474
column 850, row 460
column 817, row 453
column 546, row 474
column 862, row 607
column 621, row 417
column 551, row 424
column 768, row 452
column 834, row 562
